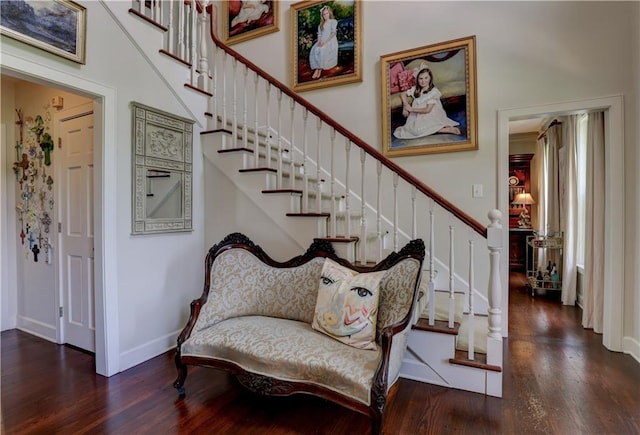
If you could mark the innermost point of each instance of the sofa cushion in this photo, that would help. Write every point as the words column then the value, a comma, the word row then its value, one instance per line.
column 347, row 305
column 241, row 284
column 287, row 350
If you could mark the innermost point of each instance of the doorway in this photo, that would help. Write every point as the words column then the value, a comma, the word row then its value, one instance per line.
column 105, row 187
column 614, row 202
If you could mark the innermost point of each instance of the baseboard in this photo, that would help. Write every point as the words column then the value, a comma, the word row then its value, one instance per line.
column 37, row 328
column 146, row 351
column 631, row 346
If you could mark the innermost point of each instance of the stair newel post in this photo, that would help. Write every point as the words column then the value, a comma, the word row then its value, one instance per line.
column 280, row 150
column 396, row 179
column 182, row 8
column 267, row 151
column 378, row 209
column 318, row 167
column 305, row 163
column 414, row 218
column 334, row 221
column 245, row 112
column 471, row 317
column 363, row 222
column 347, row 195
column 292, row 154
column 452, row 300
column 234, row 103
column 432, row 272
column 256, row 137
column 494, row 242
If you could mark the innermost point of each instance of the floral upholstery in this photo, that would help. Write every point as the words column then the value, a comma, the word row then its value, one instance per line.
column 259, row 317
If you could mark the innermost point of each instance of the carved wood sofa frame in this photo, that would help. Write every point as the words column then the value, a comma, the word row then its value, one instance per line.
column 380, row 389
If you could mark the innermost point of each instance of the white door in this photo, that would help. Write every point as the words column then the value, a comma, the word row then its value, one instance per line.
column 75, row 216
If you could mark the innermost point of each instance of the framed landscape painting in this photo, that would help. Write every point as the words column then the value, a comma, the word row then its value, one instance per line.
column 429, row 99
column 57, row 26
column 243, row 20
column 326, row 44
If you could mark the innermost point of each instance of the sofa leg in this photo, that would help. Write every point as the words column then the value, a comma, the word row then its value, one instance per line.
column 182, row 376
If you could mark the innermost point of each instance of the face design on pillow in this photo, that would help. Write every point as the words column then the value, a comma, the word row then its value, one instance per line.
column 348, row 311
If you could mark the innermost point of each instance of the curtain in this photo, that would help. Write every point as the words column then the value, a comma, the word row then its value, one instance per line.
column 592, row 314
column 569, row 202
column 548, row 191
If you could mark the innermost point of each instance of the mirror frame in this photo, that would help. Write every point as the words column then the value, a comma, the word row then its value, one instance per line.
column 172, row 153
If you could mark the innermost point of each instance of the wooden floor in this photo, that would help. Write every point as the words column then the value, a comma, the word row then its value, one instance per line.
column 558, row 379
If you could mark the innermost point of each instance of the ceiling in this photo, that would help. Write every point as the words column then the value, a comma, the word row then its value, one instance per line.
column 531, row 125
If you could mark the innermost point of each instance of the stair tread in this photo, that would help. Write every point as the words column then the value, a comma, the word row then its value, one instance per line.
column 296, row 191
column 265, row 169
column 479, row 361
column 439, row 326
column 337, row 239
column 234, row 150
column 308, row 214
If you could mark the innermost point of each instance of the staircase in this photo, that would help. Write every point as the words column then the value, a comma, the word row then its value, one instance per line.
column 315, row 179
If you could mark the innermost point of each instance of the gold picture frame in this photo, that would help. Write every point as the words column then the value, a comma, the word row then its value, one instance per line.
column 244, row 20
column 450, row 121
column 63, row 22
column 337, row 62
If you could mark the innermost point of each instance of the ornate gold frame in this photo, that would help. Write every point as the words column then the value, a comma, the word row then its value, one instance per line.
column 304, row 22
column 265, row 25
column 453, row 67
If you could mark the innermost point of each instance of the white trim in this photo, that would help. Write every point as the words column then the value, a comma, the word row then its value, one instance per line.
column 106, row 303
column 614, row 207
column 140, row 354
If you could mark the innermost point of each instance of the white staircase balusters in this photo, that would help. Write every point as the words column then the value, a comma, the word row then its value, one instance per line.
column 318, row 167
column 396, row 179
column 332, row 187
column 269, row 135
column 414, row 217
column 292, row 154
column 279, row 141
column 347, row 187
column 363, row 221
column 452, row 300
column 245, row 111
column 213, row 101
column 305, row 163
column 471, row 316
column 171, row 33
column 256, row 136
column 234, row 103
column 201, row 41
column 432, row 295
column 182, row 11
column 379, row 210
column 223, row 121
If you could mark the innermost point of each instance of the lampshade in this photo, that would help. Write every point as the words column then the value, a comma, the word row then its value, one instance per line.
column 524, row 198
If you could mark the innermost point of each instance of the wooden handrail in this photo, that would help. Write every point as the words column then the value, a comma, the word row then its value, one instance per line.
column 409, row 178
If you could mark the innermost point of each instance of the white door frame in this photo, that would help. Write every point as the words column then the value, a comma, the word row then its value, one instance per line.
column 614, row 203
column 105, row 187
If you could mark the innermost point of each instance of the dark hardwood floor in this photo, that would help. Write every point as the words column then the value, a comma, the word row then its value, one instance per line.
column 558, row 379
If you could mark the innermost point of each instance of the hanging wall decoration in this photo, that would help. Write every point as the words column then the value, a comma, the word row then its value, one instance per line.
column 35, row 199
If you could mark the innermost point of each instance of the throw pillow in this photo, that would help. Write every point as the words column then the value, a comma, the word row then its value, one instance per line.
column 347, row 305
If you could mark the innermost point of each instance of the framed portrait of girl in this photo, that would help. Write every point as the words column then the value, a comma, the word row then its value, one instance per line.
column 429, row 99
column 326, row 44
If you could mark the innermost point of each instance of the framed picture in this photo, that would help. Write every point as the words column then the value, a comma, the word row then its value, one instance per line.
column 326, row 44
column 429, row 99
column 242, row 20
column 57, row 26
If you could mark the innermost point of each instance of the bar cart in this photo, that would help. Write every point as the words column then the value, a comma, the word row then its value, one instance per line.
column 544, row 262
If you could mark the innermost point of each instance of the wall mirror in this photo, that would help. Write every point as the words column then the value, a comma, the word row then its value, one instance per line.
column 162, row 171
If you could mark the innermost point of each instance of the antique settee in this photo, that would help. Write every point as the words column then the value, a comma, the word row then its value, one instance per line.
column 255, row 319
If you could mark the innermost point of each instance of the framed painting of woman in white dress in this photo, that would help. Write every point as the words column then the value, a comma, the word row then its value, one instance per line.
column 326, row 47
column 243, row 20
column 429, row 99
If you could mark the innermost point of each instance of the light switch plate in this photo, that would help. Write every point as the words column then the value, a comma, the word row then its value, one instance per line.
column 477, row 191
